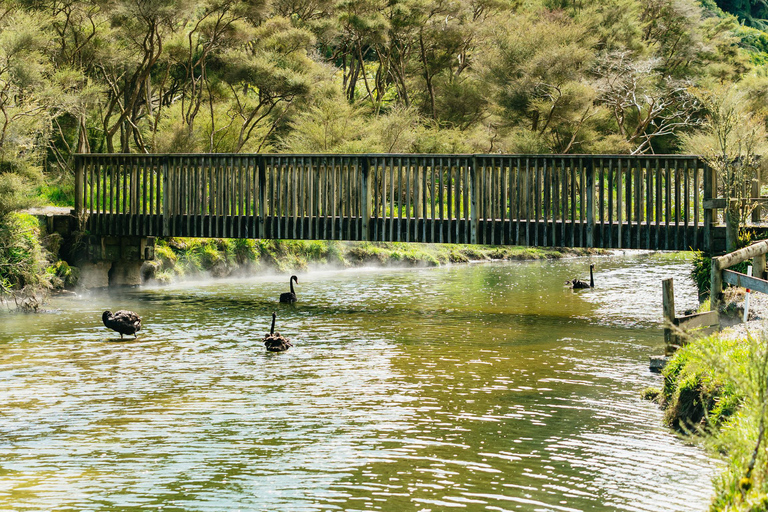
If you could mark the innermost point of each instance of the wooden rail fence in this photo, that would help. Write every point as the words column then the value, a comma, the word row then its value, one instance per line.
column 677, row 329
column 720, row 274
column 609, row 201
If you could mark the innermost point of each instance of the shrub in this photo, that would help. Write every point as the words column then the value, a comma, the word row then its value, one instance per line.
column 701, row 273
column 22, row 258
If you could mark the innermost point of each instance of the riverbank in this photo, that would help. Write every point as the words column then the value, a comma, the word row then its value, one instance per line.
column 181, row 258
column 31, row 265
column 716, row 389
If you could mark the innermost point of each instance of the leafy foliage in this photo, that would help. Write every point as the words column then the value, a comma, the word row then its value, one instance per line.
column 22, row 258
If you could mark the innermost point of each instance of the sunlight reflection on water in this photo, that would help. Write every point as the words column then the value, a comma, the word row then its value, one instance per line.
column 476, row 387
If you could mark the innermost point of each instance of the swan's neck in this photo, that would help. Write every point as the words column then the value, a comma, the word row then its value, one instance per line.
column 292, row 292
column 272, row 329
column 591, row 278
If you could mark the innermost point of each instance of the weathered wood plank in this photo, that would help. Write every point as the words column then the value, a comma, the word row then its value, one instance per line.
column 697, row 320
column 744, row 281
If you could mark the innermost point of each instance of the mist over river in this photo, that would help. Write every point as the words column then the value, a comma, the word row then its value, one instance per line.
column 467, row 387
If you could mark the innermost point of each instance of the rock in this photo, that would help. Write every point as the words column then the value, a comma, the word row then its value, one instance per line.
column 657, row 363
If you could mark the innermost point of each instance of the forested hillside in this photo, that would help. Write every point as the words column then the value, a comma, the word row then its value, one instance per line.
column 614, row 76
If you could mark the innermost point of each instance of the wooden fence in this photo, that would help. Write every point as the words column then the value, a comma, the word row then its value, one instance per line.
column 610, row 201
column 720, row 274
column 678, row 329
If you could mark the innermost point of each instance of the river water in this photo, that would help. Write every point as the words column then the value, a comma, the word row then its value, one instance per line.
column 471, row 387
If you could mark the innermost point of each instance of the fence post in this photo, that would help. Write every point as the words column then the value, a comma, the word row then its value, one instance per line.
column 262, row 180
column 715, row 286
column 473, row 177
column 755, row 194
column 758, row 266
column 166, row 199
column 731, row 225
column 365, row 198
column 79, row 185
column 668, row 304
column 590, row 170
column 709, row 214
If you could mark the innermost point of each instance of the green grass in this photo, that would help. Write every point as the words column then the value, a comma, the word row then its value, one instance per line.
column 222, row 257
column 716, row 388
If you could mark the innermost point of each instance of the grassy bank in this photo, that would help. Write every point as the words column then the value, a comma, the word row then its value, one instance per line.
column 715, row 389
column 29, row 267
column 185, row 257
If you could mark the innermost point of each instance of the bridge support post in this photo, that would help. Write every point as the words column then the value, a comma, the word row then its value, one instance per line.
column 365, row 198
column 731, row 225
column 79, row 185
column 164, row 193
column 710, row 186
column 590, row 220
column 475, row 218
column 262, row 180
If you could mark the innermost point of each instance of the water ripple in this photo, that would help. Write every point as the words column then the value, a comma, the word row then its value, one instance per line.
column 488, row 387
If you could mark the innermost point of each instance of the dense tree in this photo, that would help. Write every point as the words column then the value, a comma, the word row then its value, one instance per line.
column 327, row 75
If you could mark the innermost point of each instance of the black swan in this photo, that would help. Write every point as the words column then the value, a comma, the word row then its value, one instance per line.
column 290, row 297
column 578, row 284
column 124, row 322
column 274, row 341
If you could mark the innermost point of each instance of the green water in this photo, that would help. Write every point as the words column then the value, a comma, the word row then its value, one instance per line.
column 480, row 387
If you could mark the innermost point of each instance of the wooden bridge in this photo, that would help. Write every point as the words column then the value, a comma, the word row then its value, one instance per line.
column 607, row 201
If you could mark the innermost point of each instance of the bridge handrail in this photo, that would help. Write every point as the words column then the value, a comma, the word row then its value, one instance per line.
column 469, row 198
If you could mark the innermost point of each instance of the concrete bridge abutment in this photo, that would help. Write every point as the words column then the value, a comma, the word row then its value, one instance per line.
column 104, row 261
column 109, row 261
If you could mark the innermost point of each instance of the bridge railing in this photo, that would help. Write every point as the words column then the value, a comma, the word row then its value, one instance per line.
column 544, row 200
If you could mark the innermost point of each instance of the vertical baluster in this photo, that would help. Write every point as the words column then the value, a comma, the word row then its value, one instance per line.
column 628, row 205
column 271, row 207
column 573, row 187
column 465, row 188
column 686, row 204
column 490, row 200
column 418, row 182
column 519, row 184
column 659, row 203
column 260, row 183
column 319, row 193
column 668, row 200
column 610, row 202
column 502, row 205
column 376, row 189
column 619, row 205
column 696, row 206
column 349, row 202
column 511, row 199
column 334, row 195
column 432, row 216
column 407, row 199
column 555, row 200
column 677, row 205
column 637, row 195
column 113, row 191
column 581, row 175
column 441, row 200
column 93, row 191
column 648, row 200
